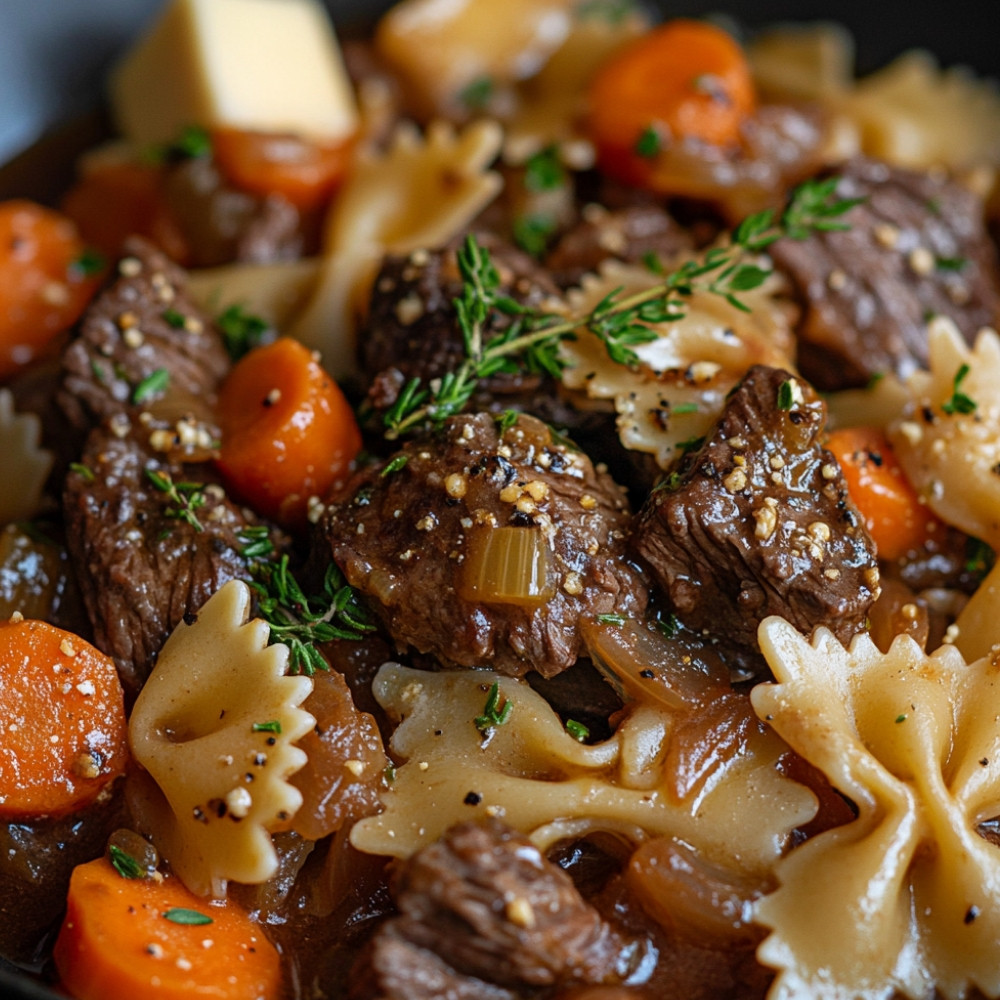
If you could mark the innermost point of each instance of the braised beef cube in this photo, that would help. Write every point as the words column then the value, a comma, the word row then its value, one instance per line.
column 145, row 556
column 486, row 544
column 144, row 346
column 412, row 329
column 638, row 234
column 482, row 908
column 916, row 246
column 758, row 522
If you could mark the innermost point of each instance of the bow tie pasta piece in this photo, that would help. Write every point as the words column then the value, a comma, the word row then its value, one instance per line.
column 906, row 898
column 215, row 728
column 530, row 772
column 680, row 386
column 421, row 192
column 26, row 464
column 948, row 443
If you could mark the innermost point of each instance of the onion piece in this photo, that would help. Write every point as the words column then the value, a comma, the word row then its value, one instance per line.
column 508, row 565
column 643, row 664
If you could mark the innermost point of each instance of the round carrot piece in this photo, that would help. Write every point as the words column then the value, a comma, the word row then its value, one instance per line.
column 683, row 80
column 262, row 163
column 894, row 516
column 288, row 433
column 44, row 282
column 152, row 939
column 64, row 728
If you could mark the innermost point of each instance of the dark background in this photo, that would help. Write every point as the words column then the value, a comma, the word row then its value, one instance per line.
column 54, row 54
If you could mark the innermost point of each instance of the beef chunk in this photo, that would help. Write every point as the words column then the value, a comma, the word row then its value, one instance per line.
column 917, row 245
column 483, row 914
column 140, row 565
column 411, row 536
column 629, row 234
column 759, row 523
column 412, row 329
column 144, row 325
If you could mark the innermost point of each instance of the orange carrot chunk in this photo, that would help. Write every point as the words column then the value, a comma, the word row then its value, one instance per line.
column 288, row 433
column 686, row 80
column 45, row 280
column 150, row 939
column 896, row 519
column 136, row 192
column 63, row 725
column 304, row 172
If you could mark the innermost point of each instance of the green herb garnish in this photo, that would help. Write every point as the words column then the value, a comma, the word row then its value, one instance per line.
column 577, row 730
column 612, row 11
column 669, row 626
column 476, row 95
column 274, row 726
column 900, row 718
column 959, row 402
column 125, row 864
column 493, row 715
column 256, row 542
column 533, row 232
column 192, row 918
column 153, row 384
column 301, row 621
column 650, row 143
column 394, row 464
column 530, row 339
column 241, row 331
column 89, row 263
column 786, row 395
column 184, row 498
column 611, row 619
column 83, row 471
column 950, row 263
column 173, row 318
column 544, row 171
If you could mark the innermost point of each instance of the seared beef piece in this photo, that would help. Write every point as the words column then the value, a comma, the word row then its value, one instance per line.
column 759, row 522
column 412, row 329
column 140, row 567
column 484, row 914
column 917, row 245
column 144, row 323
column 222, row 224
column 408, row 540
column 629, row 234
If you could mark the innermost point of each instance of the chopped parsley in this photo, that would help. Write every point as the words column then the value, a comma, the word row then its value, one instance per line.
column 683, row 408
column 650, row 143
column 477, row 94
column 274, row 726
column 669, row 625
column 241, row 331
column 89, row 263
column 533, row 231
column 900, row 718
column 394, row 464
column 959, row 402
column 493, row 715
column 125, row 864
column 577, row 730
column 153, row 384
column 950, row 263
column 83, row 471
column 191, row 918
column 786, row 395
column 173, row 318
column 544, row 171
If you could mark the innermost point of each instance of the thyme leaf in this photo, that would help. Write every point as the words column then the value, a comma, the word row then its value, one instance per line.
column 184, row 498
column 493, row 715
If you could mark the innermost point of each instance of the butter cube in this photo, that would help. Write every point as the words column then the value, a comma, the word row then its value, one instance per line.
column 260, row 65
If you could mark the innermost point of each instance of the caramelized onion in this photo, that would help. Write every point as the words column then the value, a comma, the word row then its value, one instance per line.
column 508, row 566
column 701, row 902
column 641, row 663
column 32, row 574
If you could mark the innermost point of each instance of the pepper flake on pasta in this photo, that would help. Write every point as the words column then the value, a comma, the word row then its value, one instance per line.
column 214, row 728
column 906, row 898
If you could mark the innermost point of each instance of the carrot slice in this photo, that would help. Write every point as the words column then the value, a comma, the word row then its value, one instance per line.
column 896, row 519
column 116, row 200
column 288, row 433
column 64, row 729
column 306, row 173
column 152, row 939
column 45, row 282
column 683, row 80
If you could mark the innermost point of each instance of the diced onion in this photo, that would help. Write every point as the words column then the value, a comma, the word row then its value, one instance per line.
column 507, row 566
column 641, row 663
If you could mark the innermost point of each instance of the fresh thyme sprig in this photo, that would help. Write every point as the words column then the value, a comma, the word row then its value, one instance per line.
column 299, row 620
column 184, row 498
column 530, row 340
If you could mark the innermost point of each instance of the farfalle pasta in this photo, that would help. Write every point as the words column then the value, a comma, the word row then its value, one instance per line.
column 214, row 728
column 904, row 899
column 26, row 463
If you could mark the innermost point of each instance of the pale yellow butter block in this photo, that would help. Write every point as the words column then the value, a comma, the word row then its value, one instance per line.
column 261, row 65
